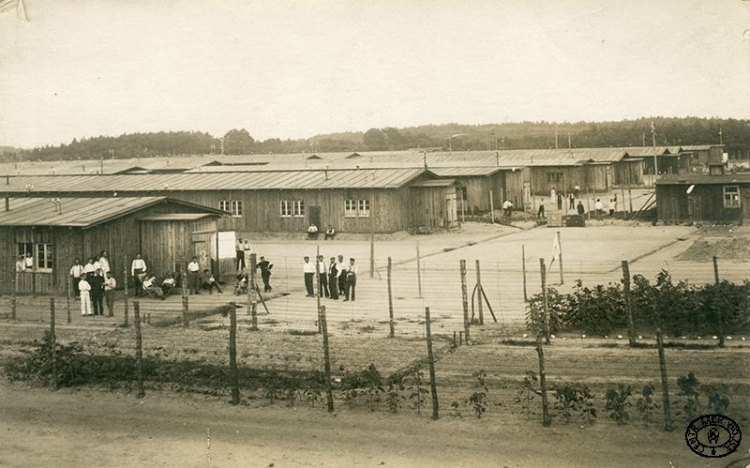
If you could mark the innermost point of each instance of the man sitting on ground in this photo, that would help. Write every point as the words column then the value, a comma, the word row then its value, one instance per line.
column 149, row 285
column 312, row 232
column 330, row 232
column 168, row 284
column 209, row 282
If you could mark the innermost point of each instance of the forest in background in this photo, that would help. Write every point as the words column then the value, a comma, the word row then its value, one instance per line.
column 733, row 133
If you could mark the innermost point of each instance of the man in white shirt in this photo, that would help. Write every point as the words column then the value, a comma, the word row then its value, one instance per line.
column 323, row 273
column 21, row 264
column 76, row 272
column 351, row 280
column 309, row 270
column 193, row 276
column 138, row 271
column 110, row 284
column 312, row 232
column 598, row 207
column 90, row 267
column 85, row 288
column 29, row 262
column 104, row 262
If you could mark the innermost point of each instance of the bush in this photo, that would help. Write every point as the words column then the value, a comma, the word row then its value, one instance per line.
column 617, row 403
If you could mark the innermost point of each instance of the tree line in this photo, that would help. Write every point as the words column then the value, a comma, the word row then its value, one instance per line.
column 733, row 133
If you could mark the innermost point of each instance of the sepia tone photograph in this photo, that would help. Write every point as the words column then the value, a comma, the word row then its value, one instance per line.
column 364, row 233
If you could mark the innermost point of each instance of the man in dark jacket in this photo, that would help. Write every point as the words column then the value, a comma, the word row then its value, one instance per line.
column 97, row 292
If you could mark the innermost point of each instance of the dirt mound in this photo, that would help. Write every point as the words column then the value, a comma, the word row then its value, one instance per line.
column 703, row 250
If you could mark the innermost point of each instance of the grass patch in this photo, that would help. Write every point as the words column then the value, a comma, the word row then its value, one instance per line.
column 512, row 342
column 301, row 332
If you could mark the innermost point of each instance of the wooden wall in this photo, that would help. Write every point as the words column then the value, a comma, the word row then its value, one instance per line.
column 704, row 203
column 571, row 176
column 628, row 172
column 430, row 208
column 121, row 238
column 514, row 187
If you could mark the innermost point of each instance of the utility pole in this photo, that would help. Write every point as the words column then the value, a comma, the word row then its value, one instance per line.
column 653, row 141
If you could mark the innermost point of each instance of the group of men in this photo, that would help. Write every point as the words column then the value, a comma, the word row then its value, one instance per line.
column 336, row 277
column 93, row 284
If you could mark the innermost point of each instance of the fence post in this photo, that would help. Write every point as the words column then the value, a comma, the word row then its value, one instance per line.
column 465, row 300
column 431, row 362
column 253, row 303
column 546, row 419
column 628, row 302
column 372, row 247
column 492, row 208
column 138, row 349
column 67, row 300
column 390, row 302
column 523, row 268
column 560, row 257
column 419, row 272
column 479, row 296
column 125, row 285
column 664, row 382
column 316, row 286
column 234, row 380
column 13, row 298
column 53, row 338
column 630, row 197
column 545, row 304
column 326, row 359
column 719, row 309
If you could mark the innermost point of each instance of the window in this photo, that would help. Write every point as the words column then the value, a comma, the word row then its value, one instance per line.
column 233, row 206
column 554, row 177
column 291, row 208
column 357, row 208
column 350, row 208
column 364, row 208
column 731, row 196
column 44, row 257
column 298, row 209
column 37, row 257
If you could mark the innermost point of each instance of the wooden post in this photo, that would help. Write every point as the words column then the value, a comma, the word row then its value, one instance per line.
column 13, row 298
column 546, row 419
column 622, row 192
column 664, row 382
column 67, row 301
column 138, row 349
column 479, row 296
column 390, row 302
column 492, row 208
column 372, row 246
column 560, row 257
column 317, row 288
column 234, row 379
column 719, row 309
column 252, row 302
column 545, row 309
column 125, row 286
column 588, row 205
column 53, row 336
column 460, row 338
column 419, row 272
column 431, row 361
column 326, row 359
column 465, row 300
column 185, row 308
column 523, row 267
column 630, row 197
column 628, row 302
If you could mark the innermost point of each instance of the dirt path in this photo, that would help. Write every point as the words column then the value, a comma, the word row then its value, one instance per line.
column 76, row 428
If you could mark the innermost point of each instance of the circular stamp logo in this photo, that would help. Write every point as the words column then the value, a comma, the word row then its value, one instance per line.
column 713, row 436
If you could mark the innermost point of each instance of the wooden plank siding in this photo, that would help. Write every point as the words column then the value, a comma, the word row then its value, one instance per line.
column 628, row 172
column 704, row 203
column 122, row 238
column 430, row 207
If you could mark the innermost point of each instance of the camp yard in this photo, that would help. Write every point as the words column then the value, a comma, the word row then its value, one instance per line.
column 177, row 411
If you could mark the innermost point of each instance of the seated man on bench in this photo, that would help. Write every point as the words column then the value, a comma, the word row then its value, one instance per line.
column 312, row 232
column 330, row 232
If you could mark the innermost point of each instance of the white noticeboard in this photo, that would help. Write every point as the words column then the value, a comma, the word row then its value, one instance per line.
column 226, row 244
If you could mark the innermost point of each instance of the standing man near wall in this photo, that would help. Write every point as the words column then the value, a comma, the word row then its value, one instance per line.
column 341, row 275
column 309, row 271
column 351, row 280
column 239, row 255
column 76, row 272
column 193, row 276
column 265, row 273
column 110, row 284
column 333, row 283
column 323, row 272
column 138, row 271
column 97, row 292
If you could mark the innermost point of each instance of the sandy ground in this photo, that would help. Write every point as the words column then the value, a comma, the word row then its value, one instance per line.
column 77, row 428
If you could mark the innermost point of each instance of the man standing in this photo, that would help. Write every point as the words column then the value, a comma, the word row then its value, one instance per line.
column 540, row 213
column 29, row 261
column 581, row 210
column 507, row 208
column 309, row 270
column 110, row 283
column 193, row 276
column 138, row 272
column 84, row 287
column 333, row 284
column 265, row 273
column 323, row 274
column 76, row 272
column 351, row 280
column 341, row 275
column 598, row 207
column 571, row 201
column 239, row 255
column 97, row 292
column 104, row 263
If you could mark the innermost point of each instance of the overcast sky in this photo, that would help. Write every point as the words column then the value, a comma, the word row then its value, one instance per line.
column 293, row 69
